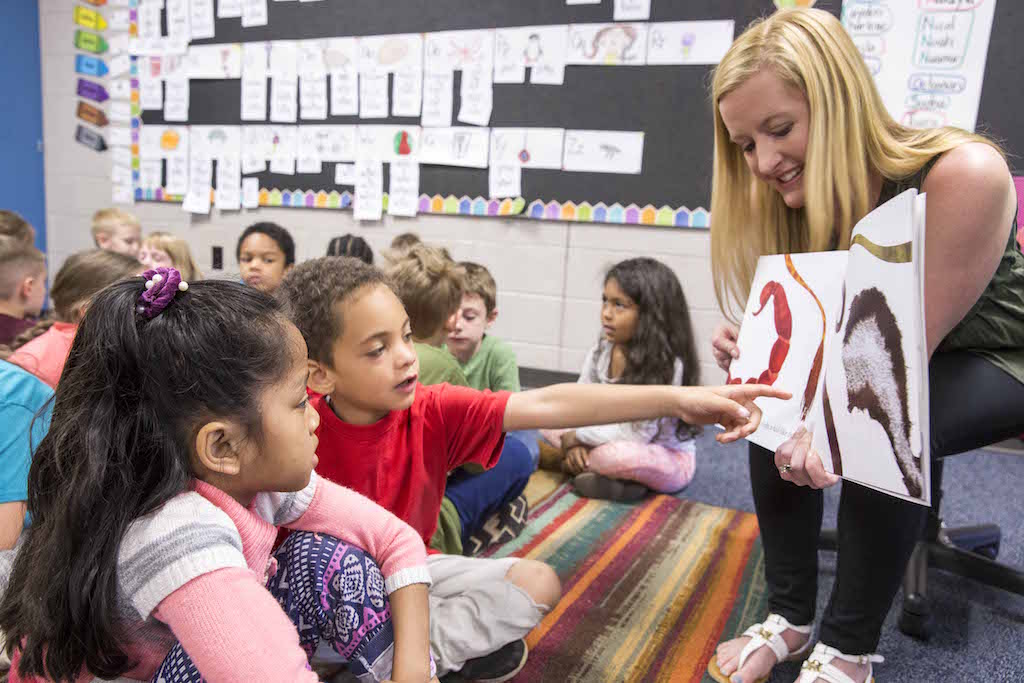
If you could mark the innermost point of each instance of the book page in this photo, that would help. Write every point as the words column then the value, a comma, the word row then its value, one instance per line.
column 783, row 337
column 872, row 418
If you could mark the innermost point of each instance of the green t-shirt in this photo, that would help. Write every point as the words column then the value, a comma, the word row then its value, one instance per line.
column 437, row 366
column 493, row 366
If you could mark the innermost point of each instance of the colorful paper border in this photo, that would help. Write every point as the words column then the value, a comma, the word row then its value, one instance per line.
column 583, row 212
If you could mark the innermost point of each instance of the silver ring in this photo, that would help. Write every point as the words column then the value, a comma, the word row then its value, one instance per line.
column 785, row 468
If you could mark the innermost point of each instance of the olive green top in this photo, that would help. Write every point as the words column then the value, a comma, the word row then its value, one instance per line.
column 994, row 327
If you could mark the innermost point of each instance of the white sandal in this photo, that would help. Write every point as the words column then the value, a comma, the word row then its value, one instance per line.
column 767, row 633
column 819, row 666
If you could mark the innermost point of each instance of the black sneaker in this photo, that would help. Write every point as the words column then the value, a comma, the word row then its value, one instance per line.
column 593, row 485
column 500, row 665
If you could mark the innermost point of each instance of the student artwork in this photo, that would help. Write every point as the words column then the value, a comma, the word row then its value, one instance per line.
column 390, row 53
column 457, row 50
column 603, row 151
column 542, row 49
column 387, row 142
column 214, row 61
column 688, row 42
column 459, row 146
column 844, row 332
column 607, row 44
column 527, row 147
column 328, row 143
column 216, row 142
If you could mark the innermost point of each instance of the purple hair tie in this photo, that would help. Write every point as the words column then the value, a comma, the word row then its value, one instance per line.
column 161, row 286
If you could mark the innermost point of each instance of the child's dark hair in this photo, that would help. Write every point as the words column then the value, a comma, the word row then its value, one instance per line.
column 663, row 328
column 313, row 291
column 351, row 245
column 132, row 397
column 275, row 232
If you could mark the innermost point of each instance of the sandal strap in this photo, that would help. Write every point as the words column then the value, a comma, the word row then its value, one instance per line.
column 769, row 633
column 819, row 666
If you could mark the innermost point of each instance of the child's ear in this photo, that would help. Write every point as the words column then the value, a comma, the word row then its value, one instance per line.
column 491, row 317
column 218, row 447
column 321, row 379
column 102, row 240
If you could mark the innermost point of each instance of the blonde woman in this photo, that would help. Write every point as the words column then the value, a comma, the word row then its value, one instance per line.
column 803, row 149
column 164, row 249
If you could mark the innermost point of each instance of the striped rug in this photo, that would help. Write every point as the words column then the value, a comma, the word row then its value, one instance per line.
column 648, row 590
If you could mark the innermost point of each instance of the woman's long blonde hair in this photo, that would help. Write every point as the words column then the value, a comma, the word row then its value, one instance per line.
column 177, row 249
column 851, row 133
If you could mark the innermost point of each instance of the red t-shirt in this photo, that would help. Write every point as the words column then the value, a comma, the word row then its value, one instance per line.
column 403, row 460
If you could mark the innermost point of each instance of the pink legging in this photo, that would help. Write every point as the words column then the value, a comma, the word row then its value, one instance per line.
column 654, row 466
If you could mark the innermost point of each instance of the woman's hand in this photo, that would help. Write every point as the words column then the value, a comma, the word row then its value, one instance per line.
column 576, row 460
column 731, row 406
column 800, row 464
column 723, row 345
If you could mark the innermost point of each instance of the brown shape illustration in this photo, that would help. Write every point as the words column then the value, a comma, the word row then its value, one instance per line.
column 876, row 377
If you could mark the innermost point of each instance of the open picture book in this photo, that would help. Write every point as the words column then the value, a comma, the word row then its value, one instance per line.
column 844, row 332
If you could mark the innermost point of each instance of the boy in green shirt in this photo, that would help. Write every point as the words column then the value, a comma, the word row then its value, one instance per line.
column 487, row 362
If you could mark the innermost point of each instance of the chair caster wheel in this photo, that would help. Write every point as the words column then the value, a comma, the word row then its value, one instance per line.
column 915, row 619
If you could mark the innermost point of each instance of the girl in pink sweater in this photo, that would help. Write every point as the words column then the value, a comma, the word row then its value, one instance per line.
column 180, row 416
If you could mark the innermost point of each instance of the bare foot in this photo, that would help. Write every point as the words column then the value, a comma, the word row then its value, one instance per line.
column 858, row 672
column 760, row 662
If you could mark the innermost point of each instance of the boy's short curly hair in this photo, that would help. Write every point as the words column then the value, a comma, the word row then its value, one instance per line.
column 312, row 292
column 478, row 280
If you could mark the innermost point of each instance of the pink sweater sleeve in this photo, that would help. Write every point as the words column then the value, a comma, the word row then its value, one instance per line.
column 213, row 617
column 354, row 518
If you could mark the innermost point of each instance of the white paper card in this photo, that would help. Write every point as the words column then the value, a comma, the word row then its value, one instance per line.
column 282, row 165
column 689, row 42
column 228, row 195
column 607, row 44
column 201, row 19
column 313, row 97
column 176, row 99
column 229, row 9
column 254, row 97
column 935, row 78
column 341, row 54
column 328, row 142
column 254, row 13
column 253, row 164
column 528, row 147
column 148, row 21
column 308, row 164
column 505, row 180
column 176, row 13
column 120, row 112
column 344, row 93
column 120, row 137
column 407, row 93
column 403, row 188
column 177, row 175
column 284, row 102
column 344, row 174
column 151, row 94
column 311, row 58
column 120, row 20
column 121, row 175
column 438, row 93
column 603, row 151
column 632, row 10
column 368, row 203
column 391, row 53
column 200, row 179
column 250, row 192
column 214, row 61
column 476, row 94
column 119, row 66
column 150, row 173
column 455, row 50
column 545, row 53
column 460, row 146
column 120, row 89
column 373, row 96
column 388, row 142
column 216, row 142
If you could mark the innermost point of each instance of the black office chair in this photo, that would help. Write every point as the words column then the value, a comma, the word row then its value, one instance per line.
column 968, row 551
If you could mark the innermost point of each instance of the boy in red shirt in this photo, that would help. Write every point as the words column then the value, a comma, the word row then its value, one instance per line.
column 395, row 441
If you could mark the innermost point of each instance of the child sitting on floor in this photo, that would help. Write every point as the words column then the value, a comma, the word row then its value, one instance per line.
column 430, row 286
column 487, row 362
column 646, row 338
column 22, row 286
column 395, row 440
column 162, row 249
column 157, row 494
column 265, row 253
column 43, row 348
column 118, row 231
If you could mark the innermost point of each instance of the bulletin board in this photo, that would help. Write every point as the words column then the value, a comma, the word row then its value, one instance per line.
column 668, row 103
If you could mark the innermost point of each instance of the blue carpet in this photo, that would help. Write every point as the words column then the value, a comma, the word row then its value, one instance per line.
column 977, row 632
